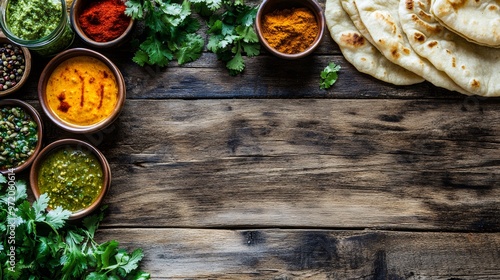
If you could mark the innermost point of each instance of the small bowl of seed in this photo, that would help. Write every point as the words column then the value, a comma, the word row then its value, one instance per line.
column 21, row 131
column 15, row 66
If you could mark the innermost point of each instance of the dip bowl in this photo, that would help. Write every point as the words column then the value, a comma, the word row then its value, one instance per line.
column 77, row 8
column 26, row 71
column 23, row 131
column 269, row 6
column 41, row 26
column 78, row 174
column 81, row 99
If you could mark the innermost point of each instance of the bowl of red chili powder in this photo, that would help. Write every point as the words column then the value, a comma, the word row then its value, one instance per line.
column 101, row 23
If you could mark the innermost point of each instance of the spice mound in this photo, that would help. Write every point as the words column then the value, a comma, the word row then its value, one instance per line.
column 290, row 31
column 12, row 65
column 18, row 136
column 104, row 20
column 82, row 91
column 71, row 177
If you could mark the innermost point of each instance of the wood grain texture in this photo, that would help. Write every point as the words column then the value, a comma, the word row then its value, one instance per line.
column 306, row 254
column 390, row 164
column 266, row 176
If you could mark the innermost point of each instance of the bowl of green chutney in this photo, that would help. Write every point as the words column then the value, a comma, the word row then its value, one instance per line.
column 40, row 25
column 73, row 174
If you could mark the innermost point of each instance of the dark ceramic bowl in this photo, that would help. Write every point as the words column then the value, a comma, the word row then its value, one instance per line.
column 38, row 120
column 77, row 8
column 27, row 67
column 71, row 127
column 268, row 6
column 76, row 144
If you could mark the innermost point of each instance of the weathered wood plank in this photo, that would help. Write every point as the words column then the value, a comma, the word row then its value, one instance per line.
column 391, row 164
column 264, row 77
column 296, row 254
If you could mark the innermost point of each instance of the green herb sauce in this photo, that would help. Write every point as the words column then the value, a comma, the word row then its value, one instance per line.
column 18, row 136
column 71, row 177
column 33, row 19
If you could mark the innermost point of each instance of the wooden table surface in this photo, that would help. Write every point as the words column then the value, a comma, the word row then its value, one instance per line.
column 267, row 176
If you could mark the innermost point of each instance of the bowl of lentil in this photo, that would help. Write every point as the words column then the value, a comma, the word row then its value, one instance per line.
column 74, row 174
column 101, row 23
column 21, row 131
column 290, row 29
column 15, row 66
column 81, row 91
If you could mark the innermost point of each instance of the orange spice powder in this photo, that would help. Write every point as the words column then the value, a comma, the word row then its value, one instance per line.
column 290, row 31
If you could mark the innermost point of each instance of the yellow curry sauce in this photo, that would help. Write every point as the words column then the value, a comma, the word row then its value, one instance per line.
column 82, row 91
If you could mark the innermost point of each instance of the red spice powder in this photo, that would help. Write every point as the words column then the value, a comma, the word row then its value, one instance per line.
column 104, row 20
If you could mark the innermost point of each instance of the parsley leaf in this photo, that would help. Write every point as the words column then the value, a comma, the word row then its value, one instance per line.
column 329, row 75
column 171, row 32
column 193, row 46
column 134, row 8
column 231, row 32
column 47, row 247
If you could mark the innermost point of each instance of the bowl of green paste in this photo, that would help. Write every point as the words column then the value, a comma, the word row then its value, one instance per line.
column 73, row 174
column 40, row 25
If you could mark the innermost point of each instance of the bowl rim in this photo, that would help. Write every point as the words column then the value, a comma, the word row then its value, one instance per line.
column 63, row 56
column 313, row 5
column 27, row 66
column 75, row 8
column 38, row 119
column 79, row 144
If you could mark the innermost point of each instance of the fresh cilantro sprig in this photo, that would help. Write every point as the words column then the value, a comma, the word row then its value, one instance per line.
column 45, row 246
column 329, row 75
column 170, row 32
column 230, row 30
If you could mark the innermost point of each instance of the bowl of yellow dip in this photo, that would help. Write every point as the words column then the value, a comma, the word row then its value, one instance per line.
column 81, row 90
column 73, row 174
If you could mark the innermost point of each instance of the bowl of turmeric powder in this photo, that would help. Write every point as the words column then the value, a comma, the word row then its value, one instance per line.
column 290, row 29
column 81, row 91
column 101, row 23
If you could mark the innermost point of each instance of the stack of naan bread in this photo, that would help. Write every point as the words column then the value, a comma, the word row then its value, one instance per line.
column 454, row 44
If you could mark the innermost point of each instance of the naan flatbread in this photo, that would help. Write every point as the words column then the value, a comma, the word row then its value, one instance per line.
column 477, row 21
column 359, row 52
column 381, row 19
column 473, row 67
column 350, row 8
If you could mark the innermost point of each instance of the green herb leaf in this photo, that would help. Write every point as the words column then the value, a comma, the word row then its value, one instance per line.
column 236, row 64
column 40, row 206
column 171, row 32
column 231, row 34
column 134, row 9
column 56, row 218
column 47, row 247
column 191, row 49
column 213, row 5
column 133, row 261
column 329, row 75
column 158, row 53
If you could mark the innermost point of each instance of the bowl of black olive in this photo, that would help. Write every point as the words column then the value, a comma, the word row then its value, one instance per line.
column 21, row 131
column 15, row 66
